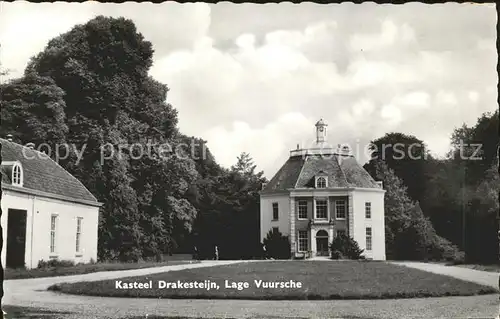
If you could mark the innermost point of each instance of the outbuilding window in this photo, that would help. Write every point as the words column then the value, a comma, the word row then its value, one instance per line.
column 78, row 234
column 53, row 228
column 17, row 175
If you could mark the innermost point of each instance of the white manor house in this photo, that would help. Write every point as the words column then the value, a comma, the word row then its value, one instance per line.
column 319, row 193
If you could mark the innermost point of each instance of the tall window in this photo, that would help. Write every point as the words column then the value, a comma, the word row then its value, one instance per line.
column 368, row 238
column 321, row 209
column 78, row 233
column 303, row 209
column 16, row 175
column 321, row 182
column 275, row 211
column 340, row 209
column 53, row 225
column 368, row 210
column 303, row 240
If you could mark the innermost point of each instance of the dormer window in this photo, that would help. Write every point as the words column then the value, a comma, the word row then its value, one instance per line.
column 321, row 182
column 17, row 175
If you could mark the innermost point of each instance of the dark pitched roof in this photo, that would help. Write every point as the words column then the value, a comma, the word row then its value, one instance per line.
column 287, row 176
column 318, row 165
column 41, row 173
column 355, row 174
column 342, row 171
column 6, row 174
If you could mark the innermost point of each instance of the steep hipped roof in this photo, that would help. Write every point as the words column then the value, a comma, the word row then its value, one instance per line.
column 343, row 171
column 287, row 176
column 41, row 173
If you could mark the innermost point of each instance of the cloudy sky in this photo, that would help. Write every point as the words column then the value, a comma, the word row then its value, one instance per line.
column 256, row 78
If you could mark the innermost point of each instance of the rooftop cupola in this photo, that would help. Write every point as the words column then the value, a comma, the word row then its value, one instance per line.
column 321, row 131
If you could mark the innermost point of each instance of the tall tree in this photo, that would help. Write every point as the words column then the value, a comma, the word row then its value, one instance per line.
column 444, row 199
column 230, row 217
column 409, row 234
column 33, row 110
column 458, row 211
column 120, row 235
column 482, row 212
column 117, row 115
column 477, row 146
column 406, row 155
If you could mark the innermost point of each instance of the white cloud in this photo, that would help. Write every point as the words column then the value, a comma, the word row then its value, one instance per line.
column 391, row 114
column 25, row 29
column 246, row 41
column 390, row 35
column 363, row 108
column 365, row 73
column 37, row 23
column 370, row 42
column 439, row 145
column 274, row 59
column 267, row 144
column 255, row 79
column 417, row 99
column 444, row 99
column 473, row 96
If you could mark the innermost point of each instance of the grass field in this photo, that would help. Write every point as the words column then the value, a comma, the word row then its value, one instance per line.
column 85, row 269
column 34, row 313
column 31, row 313
column 260, row 317
column 319, row 280
column 14, row 312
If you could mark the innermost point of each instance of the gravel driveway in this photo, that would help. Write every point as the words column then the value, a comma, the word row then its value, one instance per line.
column 32, row 293
column 486, row 278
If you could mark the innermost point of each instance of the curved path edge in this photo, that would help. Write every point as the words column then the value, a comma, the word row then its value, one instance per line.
column 486, row 278
column 33, row 293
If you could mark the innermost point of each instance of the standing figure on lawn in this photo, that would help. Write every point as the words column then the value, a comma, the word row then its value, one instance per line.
column 196, row 254
column 216, row 253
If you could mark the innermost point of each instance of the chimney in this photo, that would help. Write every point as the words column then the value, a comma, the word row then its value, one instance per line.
column 344, row 149
column 30, row 145
column 264, row 186
column 9, row 137
column 298, row 147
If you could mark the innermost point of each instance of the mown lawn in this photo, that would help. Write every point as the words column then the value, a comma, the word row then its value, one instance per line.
column 163, row 317
column 85, row 269
column 319, row 280
column 260, row 317
column 14, row 312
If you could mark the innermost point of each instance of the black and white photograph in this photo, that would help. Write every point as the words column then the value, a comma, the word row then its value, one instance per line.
column 220, row 160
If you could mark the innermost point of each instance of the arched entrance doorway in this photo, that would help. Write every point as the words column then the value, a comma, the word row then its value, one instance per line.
column 322, row 243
